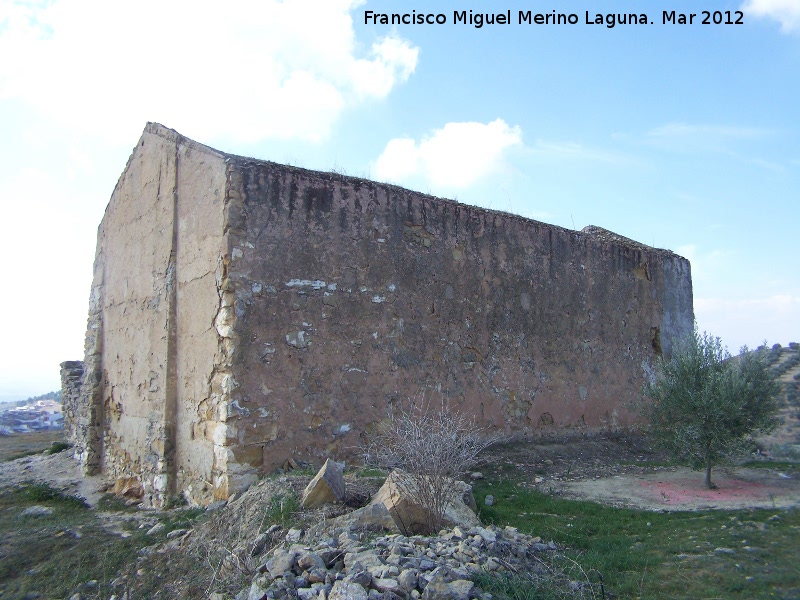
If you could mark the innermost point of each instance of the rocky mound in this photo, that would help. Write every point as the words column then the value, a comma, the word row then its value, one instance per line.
column 348, row 565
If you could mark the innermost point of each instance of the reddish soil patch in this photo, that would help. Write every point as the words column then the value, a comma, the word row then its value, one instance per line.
column 679, row 488
column 690, row 489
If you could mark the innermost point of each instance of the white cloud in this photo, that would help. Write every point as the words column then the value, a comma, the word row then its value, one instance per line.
column 572, row 151
column 787, row 12
column 457, row 155
column 257, row 69
column 734, row 141
column 684, row 130
column 393, row 59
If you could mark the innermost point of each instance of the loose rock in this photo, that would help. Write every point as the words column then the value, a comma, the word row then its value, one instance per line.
column 342, row 564
column 410, row 517
column 327, row 486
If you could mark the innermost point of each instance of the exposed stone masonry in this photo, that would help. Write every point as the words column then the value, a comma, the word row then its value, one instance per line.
column 75, row 429
column 244, row 312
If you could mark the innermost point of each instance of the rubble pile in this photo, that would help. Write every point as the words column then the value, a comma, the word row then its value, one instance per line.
column 350, row 565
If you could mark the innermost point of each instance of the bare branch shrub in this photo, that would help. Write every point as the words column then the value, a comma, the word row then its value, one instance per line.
column 428, row 449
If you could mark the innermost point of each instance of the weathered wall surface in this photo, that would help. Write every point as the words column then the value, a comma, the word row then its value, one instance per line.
column 75, row 421
column 244, row 312
column 352, row 296
column 151, row 343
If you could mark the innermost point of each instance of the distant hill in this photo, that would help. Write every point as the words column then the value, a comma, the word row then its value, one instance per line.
column 785, row 363
column 48, row 396
column 56, row 396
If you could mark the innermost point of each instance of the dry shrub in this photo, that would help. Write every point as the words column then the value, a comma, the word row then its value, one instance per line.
column 432, row 447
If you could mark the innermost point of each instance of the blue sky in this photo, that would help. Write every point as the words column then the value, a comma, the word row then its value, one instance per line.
column 685, row 137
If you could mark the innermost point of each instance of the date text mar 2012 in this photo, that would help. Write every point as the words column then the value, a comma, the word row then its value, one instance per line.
column 610, row 20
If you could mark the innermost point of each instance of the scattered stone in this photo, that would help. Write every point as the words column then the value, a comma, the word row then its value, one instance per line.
column 310, row 560
column 437, row 589
column 373, row 517
column 256, row 592
column 306, row 593
column 487, row 535
column 347, row 591
column 282, row 561
column 37, row 511
column 350, row 564
column 294, row 535
column 362, row 578
column 386, row 585
column 407, row 580
column 461, row 589
column 156, row 529
column 128, row 487
column 489, row 501
column 724, row 551
column 327, row 486
column 176, row 533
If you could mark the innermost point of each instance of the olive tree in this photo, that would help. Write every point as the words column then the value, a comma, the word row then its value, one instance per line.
column 703, row 405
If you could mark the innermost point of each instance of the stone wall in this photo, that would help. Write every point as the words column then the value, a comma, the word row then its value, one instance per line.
column 151, row 348
column 353, row 297
column 244, row 312
column 75, row 431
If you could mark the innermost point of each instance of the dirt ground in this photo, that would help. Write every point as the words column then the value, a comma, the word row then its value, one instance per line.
column 620, row 470
column 61, row 471
column 679, row 488
column 14, row 446
column 625, row 471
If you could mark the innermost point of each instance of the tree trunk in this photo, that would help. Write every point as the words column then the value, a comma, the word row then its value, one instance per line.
column 709, row 485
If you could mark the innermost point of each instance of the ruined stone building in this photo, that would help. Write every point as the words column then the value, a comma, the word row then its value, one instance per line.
column 244, row 312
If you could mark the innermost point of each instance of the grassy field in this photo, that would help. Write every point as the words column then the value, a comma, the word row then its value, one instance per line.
column 25, row 444
column 640, row 554
column 71, row 549
column 633, row 553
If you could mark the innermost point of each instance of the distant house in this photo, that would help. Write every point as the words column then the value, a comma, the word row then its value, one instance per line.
column 44, row 415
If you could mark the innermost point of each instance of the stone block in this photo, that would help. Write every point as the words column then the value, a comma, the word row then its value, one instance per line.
column 327, row 486
column 396, row 495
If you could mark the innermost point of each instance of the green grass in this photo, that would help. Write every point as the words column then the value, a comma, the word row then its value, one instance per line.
column 41, row 493
column 371, row 472
column 69, row 550
column 282, row 510
column 661, row 555
column 54, row 554
column 57, row 447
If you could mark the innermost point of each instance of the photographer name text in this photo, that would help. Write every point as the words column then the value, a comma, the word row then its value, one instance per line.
column 479, row 20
